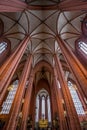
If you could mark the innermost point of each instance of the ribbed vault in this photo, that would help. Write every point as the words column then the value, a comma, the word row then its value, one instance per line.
column 43, row 26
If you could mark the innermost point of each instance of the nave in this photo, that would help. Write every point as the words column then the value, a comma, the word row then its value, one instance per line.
column 43, row 64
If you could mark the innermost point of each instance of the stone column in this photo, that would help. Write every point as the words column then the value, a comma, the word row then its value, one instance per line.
column 57, row 89
column 78, row 71
column 14, row 113
column 12, row 6
column 69, row 5
column 27, row 100
column 8, row 69
column 46, row 108
column 73, row 121
column 40, row 107
column 53, row 101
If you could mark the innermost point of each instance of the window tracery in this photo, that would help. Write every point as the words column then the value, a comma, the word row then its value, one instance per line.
column 43, row 97
column 6, row 106
column 76, row 100
column 83, row 46
column 3, row 46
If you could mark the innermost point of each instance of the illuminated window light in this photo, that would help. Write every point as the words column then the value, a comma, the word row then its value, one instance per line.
column 83, row 46
column 76, row 100
column 3, row 46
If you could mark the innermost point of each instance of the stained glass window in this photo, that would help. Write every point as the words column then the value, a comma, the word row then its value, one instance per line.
column 8, row 102
column 44, row 98
column 3, row 46
column 83, row 46
column 76, row 100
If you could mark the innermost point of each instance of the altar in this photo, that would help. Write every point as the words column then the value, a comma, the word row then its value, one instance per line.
column 43, row 123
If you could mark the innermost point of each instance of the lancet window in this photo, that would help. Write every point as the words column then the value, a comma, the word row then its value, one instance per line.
column 83, row 47
column 6, row 106
column 76, row 99
column 43, row 108
column 3, row 46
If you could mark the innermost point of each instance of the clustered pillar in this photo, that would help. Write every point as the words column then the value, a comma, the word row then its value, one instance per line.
column 12, row 6
column 26, row 106
column 53, row 100
column 69, row 5
column 73, row 121
column 40, row 107
column 61, row 121
column 78, row 71
column 13, row 117
column 8, row 69
column 46, row 108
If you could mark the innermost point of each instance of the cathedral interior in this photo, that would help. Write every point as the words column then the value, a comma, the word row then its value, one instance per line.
column 43, row 65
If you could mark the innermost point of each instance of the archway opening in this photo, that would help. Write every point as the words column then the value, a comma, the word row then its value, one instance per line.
column 43, row 109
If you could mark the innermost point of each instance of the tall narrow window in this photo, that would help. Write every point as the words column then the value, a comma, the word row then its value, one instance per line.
column 83, row 46
column 49, row 110
column 44, row 108
column 76, row 100
column 8, row 102
column 3, row 46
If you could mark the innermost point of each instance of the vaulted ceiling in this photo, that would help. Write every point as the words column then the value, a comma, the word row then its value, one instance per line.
column 43, row 26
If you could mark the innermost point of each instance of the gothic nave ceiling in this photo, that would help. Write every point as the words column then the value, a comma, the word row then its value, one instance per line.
column 43, row 26
column 42, row 2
